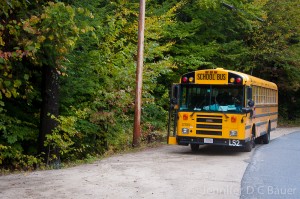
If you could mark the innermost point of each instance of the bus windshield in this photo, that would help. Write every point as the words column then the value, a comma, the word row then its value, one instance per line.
column 216, row 98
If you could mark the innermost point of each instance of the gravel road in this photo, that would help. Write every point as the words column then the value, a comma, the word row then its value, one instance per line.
column 163, row 172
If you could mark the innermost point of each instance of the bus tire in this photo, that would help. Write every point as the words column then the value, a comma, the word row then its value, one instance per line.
column 195, row 147
column 251, row 144
column 258, row 140
column 266, row 137
column 248, row 146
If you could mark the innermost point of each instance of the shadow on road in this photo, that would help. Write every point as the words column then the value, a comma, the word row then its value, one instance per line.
column 209, row 150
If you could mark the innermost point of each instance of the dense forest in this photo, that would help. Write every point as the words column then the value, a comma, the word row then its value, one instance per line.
column 67, row 68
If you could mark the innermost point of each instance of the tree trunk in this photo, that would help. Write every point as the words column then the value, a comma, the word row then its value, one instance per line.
column 50, row 104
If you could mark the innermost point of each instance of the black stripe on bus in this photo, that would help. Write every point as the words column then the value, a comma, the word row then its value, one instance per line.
column 266, row 114
column 275, row 120
column 266, row 105
column 209, row 132
column 261, row 123
column 248, row 127
column 213, row 116
column 206, row 126
column 263, row 133
column 209, row 120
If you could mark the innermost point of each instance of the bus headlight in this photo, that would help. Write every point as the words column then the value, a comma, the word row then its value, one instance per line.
column 185, row 131
column 233, row 133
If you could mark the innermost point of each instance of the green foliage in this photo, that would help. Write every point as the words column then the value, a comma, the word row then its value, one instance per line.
column 14, row 159
column 27, row 41
column 154, row 118
column 154, row 121
column 63, row 133
column 275, row 49
column 209, row 35
column 61, row 138
column 108, row 69
column 16, row 142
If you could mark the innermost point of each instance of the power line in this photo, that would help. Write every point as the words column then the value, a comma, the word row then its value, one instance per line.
column 233, row 8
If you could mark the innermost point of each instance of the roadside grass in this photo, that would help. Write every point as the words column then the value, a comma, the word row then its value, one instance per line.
column 88, row 160
column 288, row 123
column 109, row 153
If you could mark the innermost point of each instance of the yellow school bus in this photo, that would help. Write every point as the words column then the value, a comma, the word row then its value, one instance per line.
column 222, row 107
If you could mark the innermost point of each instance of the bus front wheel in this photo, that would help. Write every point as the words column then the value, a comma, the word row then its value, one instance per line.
column 195, row 147
column 251, row 144
column 248, row 146
column 266, row 137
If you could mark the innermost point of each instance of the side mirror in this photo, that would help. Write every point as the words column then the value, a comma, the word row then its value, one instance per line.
column 249, row 93
column 248, row 110
column 250, row 103
column 173, row 101
column 174, row 98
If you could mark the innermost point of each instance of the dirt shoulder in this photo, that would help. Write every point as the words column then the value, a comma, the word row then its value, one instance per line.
column 163, row 172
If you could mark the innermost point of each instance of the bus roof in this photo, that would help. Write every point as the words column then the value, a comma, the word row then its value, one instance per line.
column 251, row 80
column 247, row 79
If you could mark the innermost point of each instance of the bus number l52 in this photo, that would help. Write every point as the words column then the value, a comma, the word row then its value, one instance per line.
column 234, row 143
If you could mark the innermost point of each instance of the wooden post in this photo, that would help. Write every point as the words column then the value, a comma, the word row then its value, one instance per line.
column 139, row 77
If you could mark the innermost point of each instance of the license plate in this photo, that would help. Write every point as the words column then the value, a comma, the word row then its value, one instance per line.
column 208, row 140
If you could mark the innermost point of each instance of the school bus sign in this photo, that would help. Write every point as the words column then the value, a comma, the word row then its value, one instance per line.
column 211, row 77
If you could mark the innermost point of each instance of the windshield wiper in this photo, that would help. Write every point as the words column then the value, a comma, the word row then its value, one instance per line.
column 192, row 114
column 224, row 112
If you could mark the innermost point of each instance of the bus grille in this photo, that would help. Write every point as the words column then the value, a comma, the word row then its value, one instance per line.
column 209, row 125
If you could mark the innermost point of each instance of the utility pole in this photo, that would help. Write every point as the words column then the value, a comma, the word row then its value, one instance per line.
column 139, row 76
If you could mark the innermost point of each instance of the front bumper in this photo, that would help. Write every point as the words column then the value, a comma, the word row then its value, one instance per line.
column 182, row 140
